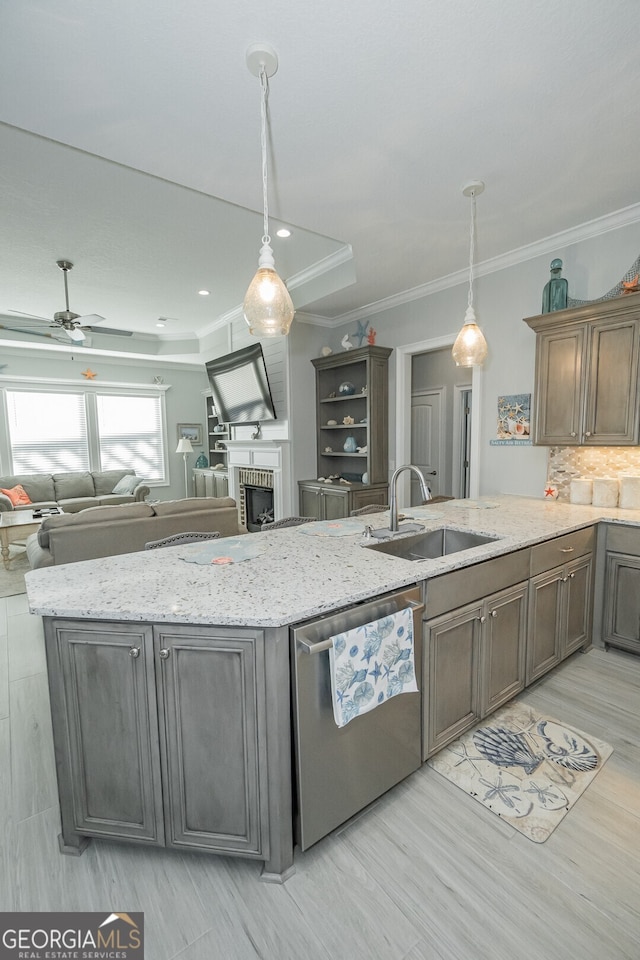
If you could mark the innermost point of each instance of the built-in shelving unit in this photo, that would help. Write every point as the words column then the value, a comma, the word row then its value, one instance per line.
column 350, row 386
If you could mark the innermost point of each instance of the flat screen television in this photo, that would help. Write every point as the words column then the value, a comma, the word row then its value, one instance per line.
column 240, row 386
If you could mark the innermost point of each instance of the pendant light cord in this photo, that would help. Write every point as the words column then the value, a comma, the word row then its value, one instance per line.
column 264, row 87
column 472, row 247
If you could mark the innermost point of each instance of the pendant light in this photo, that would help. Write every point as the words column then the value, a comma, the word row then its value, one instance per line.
column 470, row 348
column 268, row 308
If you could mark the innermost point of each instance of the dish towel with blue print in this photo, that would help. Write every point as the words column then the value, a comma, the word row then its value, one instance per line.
column 371, row 664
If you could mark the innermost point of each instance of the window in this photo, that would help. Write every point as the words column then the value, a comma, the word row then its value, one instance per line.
column 55, row 432
column 130, row 434
column 47, row 432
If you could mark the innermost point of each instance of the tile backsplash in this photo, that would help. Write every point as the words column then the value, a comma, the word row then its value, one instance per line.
column 567, row 463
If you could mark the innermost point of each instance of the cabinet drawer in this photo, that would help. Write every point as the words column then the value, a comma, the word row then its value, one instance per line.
column 552, row 553
column 623, row 539
column 460, row 587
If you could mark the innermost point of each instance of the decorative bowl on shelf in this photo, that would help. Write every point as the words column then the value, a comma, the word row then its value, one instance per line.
column 346, row 389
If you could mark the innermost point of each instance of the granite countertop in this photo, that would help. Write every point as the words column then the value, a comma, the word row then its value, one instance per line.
column 298, row 575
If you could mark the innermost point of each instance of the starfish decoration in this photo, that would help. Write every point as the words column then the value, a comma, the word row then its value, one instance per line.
column 631, row 286
column 361, row 332
column 89, row 374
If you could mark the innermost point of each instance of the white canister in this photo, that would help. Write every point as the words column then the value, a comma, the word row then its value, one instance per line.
column 605, row 492
column 581, row 490
column 630, row 493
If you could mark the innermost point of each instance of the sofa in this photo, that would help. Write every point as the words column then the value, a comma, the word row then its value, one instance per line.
column 111, row 530
column 73, row 491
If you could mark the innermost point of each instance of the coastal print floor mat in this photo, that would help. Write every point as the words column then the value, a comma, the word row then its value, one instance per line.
column 527, row 768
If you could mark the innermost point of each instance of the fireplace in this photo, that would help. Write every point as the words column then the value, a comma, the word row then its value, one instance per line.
column 262, row 464
column 256, row 498
column 258, row 507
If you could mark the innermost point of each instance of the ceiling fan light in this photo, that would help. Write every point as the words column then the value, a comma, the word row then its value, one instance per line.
column 470, row 348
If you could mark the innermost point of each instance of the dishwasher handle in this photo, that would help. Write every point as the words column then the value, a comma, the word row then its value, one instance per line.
column 323, row 645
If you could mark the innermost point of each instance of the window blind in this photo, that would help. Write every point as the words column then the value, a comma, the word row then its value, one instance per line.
column 130, row 434
column 47, row 431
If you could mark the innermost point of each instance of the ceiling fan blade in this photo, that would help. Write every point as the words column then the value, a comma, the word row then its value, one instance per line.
column 90, row 318
column 31, row 333
column 75, row 333
column 111, row 331
column 31, row 316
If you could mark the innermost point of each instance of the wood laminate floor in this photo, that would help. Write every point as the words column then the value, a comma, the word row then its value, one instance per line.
column 425, row 874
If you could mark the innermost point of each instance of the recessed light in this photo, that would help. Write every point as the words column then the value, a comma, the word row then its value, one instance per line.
column 204, row 293
column 283, row 232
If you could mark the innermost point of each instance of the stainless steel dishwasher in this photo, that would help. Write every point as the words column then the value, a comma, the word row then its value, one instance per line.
column 339, row 770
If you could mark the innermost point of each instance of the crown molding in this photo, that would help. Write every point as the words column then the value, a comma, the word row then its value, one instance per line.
column 566, row 238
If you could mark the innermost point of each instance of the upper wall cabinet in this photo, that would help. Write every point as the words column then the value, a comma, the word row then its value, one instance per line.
column 586, row 383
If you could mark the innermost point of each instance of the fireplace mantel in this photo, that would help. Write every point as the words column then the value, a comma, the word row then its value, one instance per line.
column 263, row 455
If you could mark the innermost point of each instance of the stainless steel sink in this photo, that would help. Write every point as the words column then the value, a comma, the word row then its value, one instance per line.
column 432, row 544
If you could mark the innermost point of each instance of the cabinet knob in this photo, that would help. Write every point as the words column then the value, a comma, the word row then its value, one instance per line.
column 587, row 433
column 494, row 613
column 482, row 619
column 564, row 579
column 573, row 433
column 134, row 652
column 571, row 576
column 164, row 654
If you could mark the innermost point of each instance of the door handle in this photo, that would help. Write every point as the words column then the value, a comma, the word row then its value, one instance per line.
column 323, row 645
column 432, row 473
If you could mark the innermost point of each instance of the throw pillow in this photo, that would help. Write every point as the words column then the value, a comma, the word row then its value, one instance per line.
column 126, row 485
column 17, row 495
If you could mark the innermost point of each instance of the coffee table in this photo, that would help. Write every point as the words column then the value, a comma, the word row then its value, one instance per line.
column 16, row 525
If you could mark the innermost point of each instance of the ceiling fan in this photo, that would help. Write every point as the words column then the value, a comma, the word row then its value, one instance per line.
column 68, row 322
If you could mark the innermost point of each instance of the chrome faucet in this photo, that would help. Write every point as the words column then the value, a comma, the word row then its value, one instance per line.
column 393, row 493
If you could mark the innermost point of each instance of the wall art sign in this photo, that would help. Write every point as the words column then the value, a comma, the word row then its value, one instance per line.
column 514, row 420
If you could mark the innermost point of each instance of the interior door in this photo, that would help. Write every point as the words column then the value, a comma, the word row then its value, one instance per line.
column 427, row 434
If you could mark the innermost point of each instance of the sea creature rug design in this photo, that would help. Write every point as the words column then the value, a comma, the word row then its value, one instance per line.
column 526, row 768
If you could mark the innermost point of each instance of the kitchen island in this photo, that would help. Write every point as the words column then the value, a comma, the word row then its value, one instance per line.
column 170, row 680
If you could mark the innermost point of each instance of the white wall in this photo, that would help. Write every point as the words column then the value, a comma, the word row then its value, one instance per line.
column 502, row 299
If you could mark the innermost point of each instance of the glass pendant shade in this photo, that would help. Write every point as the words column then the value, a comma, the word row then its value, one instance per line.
column 268, row 308
column 470, row 348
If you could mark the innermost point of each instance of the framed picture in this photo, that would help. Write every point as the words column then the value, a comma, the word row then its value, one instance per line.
column 192, row 431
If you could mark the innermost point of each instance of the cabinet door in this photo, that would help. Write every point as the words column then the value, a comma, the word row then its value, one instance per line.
column 451, row 664
column 612, row 407
column 545, row 623
column 578, row 605
column 212, row 739
column 111, row 759
column 504, row 647
column 310, row 505
column 198, row 484
column 335, row 503
column 221, row 485
column 559, row 386
column 621, row 615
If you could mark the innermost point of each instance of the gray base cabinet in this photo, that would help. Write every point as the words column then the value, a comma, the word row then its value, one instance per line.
column 333, row 502
column 620, row 587
column 162, row 737
column 210, row 483
column 474, row 662
column 560, row 603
